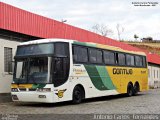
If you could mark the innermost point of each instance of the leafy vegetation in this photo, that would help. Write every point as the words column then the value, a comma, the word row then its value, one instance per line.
column 150, row 46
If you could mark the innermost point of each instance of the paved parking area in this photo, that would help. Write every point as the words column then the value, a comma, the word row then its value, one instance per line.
column 144, row 103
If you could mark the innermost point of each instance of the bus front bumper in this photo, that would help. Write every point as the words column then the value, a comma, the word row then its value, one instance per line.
column 42, row 97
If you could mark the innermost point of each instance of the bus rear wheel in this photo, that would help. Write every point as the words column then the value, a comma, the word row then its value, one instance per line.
column 136, row 89
column 77, row 95
column 130, row 90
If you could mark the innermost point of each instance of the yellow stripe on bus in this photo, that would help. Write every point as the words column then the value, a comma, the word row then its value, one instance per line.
column 21, row 86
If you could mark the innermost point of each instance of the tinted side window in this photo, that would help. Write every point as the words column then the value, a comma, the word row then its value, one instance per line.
column 139, row 61
column 109, row 57
column 80, row 54
column 130, row 60
column 62, row 49
column 144, row 62
column 121, row 59
column 95, row 56
column 99, row 56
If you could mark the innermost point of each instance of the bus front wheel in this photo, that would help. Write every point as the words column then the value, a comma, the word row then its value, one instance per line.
column 77, row 95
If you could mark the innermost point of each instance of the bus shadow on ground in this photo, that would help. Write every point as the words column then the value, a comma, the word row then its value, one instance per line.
column 67, row 103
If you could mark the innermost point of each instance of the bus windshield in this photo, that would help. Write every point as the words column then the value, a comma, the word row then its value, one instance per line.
column 33, row 63
column 32, row 70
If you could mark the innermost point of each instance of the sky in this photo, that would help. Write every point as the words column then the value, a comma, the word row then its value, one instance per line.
column 143, row 21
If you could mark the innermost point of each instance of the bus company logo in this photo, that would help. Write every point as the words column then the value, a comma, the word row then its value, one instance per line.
column 21, row 86
column 145, row 3
column 122, row 71
column 143, row 72
column 79, row 71
column 60, row 93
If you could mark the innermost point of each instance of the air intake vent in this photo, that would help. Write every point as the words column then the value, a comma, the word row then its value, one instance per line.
column 22, row 89
column 32, row 89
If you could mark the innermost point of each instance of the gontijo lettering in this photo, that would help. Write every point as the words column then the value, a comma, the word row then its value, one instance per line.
column 122, row 71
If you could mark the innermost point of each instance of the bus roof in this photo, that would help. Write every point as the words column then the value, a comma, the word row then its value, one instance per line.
column 108, row 47
column 46, row 41
column 91, row 44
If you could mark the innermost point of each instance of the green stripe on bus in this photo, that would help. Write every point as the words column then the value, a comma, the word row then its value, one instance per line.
column 105, row 77
column 84, row 44
column 95, row 77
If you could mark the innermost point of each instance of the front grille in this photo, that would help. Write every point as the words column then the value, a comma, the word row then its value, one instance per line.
column 22, row 89
column 32, row 89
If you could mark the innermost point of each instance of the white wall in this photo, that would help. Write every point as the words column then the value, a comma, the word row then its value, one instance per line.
column 154, row 76
column 5, row 78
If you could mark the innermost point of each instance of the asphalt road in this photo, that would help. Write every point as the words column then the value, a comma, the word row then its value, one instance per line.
column 144, row 103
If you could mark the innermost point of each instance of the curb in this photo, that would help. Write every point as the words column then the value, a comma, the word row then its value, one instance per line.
column 5, row 97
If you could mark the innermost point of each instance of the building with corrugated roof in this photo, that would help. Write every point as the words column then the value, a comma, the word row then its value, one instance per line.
column 17, row 25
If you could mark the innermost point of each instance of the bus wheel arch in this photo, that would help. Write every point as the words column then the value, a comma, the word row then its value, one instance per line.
column 136, row 88
column 130, row 89
column 78, row 94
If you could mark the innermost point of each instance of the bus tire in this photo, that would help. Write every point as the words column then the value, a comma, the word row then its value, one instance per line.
column 77, row 95
column 136, row 88
column 130, row 90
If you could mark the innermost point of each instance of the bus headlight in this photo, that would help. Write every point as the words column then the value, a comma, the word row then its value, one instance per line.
column 43, row 89
column 14, row 90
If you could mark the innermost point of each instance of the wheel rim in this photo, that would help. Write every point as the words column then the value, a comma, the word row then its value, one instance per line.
column 77, row 95
column 130, row 91
column 136, row 89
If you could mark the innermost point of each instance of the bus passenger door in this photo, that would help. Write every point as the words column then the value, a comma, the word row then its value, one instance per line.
column 60, row 71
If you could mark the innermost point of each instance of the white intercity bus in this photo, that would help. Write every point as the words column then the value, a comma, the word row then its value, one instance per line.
column 56, row 70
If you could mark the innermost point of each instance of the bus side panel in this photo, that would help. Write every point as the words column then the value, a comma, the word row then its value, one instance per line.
column 94, row 79
column 121, row 76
